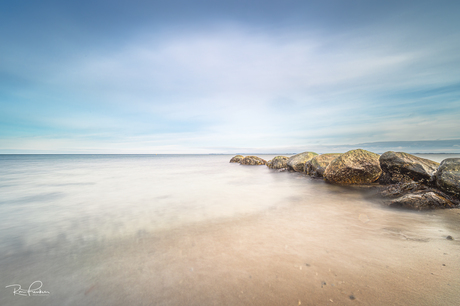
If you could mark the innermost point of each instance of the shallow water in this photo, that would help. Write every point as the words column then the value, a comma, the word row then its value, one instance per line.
column 197, row 230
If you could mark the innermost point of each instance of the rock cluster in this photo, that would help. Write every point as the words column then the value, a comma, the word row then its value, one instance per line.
column 278, row 162
column 318, row 164
column 401, row 179
column 249, row 160
column 237, row 159
column 354, row 167
column 399, row 167
column 447, row 177
column 297, row 162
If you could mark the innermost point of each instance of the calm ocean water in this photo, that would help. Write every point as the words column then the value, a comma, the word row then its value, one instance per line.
column 197, row 230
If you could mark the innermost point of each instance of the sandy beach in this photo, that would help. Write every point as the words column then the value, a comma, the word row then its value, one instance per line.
column 299, row 241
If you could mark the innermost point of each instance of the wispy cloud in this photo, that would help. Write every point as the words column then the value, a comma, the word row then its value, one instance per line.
column 235, row 84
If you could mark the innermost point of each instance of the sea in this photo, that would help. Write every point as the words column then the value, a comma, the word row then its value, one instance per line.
column 198, row 230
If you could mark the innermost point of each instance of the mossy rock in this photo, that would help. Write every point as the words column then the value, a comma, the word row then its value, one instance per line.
column 237, row 159
column 297, row 162
column 318, row 164
column 354, row 167
column 400, row 167
column 448, row 176
column 253, row 161
column 278, row 162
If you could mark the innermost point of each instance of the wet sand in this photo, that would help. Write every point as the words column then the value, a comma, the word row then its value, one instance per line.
column 290, row 255
column 321, row 245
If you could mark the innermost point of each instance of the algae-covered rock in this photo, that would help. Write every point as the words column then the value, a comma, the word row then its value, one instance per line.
column 253, row 161
column 448, row 176
column 400, row 167
column 354, row 167
column 237, row 159
column 422, row 200
column 317, row 165
column 278, row 162
column 297, row 162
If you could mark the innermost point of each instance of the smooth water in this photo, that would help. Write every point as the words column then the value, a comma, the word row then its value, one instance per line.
column 197, row 230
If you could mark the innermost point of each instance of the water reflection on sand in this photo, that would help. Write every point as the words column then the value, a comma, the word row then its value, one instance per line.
column 220, row 234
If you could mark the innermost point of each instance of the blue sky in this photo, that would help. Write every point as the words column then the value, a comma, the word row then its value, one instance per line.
column 227, row 76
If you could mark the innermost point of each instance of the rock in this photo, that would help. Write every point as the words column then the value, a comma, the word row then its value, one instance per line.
column 400, row 189
column 448, row 176
column 400, row 167
column 237, row 159
column 354, row 167
column 414, row 191
column 297, row 162
column 317, row 165
column 253, row 161
column 449, row 237
column 278, row 162
column 422, row 200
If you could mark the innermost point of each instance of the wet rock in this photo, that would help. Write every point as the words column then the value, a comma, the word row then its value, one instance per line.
column 253, row 161
column 448, row 176
column 398, row 190
column 278, row 162
column 393, row 194
column 317, row 165
column 422, row 200
column 354, row 167
column 297, row 162
column 400, row 167
column 237, row 159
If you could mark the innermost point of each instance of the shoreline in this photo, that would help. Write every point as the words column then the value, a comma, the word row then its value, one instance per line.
column 277, row 257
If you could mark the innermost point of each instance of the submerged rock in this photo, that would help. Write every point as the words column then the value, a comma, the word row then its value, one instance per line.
column 448, row 176
column 354, row 167
column 278, row 162
column 297, row 162
column 253, row 161
column 422, row 200
column 237, row 159
column 400, row 167
column 317, row 165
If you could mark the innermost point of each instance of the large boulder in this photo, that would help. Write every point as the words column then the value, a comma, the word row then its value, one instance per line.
column 237, row 159
column 416, row 196
column 400, row 167
column 354, row 167
column 253, row 161
column 448, row 176
column 297, row 162
column 422, row 200
column 278, row 162
column 317, row 165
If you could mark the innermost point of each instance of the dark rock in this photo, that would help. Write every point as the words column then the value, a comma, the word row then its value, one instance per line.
column 278, row 162
column 253, row 161
column 237, row 159
column 400, row 167
column 354, row 167
column 317, row 165
column 394, row 194
column 352, row 297
column 297, row 162
column 449, row 237
column 422, row 200
column 398, row 190
column 448, row 176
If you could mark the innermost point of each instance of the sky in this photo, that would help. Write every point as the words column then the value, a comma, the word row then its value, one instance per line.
column 183, row 76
